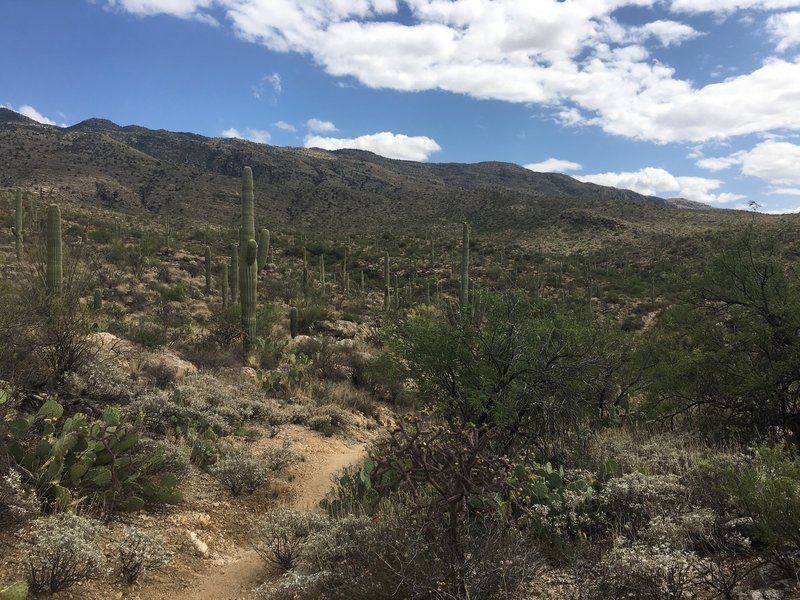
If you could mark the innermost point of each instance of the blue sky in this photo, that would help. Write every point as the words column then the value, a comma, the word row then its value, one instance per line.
column 692, row 98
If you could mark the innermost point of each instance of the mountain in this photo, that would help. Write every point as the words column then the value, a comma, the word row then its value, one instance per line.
column 135, row 169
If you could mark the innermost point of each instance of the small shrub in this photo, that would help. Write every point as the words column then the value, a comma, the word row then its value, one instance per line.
column 139, row 552
column 632, row 500
column 644, row 572
column 280, row 535
column 238, row 472
column 281, row 457
column 328, row 419
column 63, row 552
column 17, row 503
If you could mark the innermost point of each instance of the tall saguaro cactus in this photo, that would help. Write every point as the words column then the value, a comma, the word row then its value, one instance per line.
column 386, row 281
column 263, row 248
column 247, row 229
column 293, row 321
column 249, row 281
column 17, row 229
column 54, row 271
column 224, row 279
column 208, row 269
column 463, row 297
column 322, row 272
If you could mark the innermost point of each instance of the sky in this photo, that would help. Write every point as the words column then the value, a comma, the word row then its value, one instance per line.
column 692, row 98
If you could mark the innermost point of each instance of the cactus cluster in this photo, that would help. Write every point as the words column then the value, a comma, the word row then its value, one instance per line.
column 79, row 457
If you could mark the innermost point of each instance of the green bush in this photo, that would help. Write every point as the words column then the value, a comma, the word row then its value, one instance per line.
column 281, row 533
column 239, row 472
column 138, row 552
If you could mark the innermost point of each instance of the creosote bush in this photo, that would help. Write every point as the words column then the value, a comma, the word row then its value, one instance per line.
column 139, row 552
column 281, row 533
column 239, row 472
column 62, row 553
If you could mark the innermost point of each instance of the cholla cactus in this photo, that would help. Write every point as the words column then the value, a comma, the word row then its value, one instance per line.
column 54, row 281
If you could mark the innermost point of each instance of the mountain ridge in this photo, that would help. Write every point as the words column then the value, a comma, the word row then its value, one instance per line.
column 134, row 168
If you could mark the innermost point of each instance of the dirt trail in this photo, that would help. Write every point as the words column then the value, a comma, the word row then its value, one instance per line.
column 311, row 480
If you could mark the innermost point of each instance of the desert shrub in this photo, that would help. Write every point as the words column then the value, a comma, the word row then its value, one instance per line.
column 100, row 381
column 766, row 489
column 328, row 419
column 644, row 572
column 63, row 552
column 172, row 293
column 148, row 333
column 17, row 503
column 239, row 472
column 346, row 396
column 629, row 502
column 281, row 533
column 278, row 458
column 139, row 552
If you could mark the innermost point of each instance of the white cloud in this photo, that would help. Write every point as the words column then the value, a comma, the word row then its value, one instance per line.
column 782, row 211
column 773, row 161
column 273, row 81
column 34, row 114
column 185, row 9
column 785, row 30
column 254, row 135
column 574, row 57
column 784, row 192
column 286, row 126
column 729, row 6
column 385, row 143
column 653, row 181
column 319, row 126
column 553, row 165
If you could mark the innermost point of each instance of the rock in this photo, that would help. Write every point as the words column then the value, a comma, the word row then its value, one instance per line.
column 199, row 545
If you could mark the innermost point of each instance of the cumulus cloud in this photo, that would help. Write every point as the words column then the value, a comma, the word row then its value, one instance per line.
column 385, row 143
column 653, row 181
column 575, row 57
column 286, row 126
column 785, row 30
column 772, row 160
column 553, row 165
column 320, row 126
column 254, row 135
column 784, row 192
column 185, row 9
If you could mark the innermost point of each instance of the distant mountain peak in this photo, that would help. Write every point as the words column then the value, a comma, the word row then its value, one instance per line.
column 95, row 125
column 7, row 115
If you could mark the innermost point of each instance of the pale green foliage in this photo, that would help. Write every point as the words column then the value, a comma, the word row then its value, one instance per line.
column 281, row 534
column 239, row 472
column 63, row 552
column 138, row 552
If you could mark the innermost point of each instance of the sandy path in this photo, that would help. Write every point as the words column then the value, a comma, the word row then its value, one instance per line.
column 245, row 570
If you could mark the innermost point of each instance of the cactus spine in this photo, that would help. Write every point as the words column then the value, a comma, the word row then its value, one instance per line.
column 249, row 281
column 224, row 279
column 263, row 248
column 208, row 269
column 293, row 321
column 17, row 229
column 234, row 274
column 54, row 281
column 463, row 297
column 386, row 281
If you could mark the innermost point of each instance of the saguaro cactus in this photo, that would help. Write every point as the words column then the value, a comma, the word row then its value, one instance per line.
column 97, row 300
column 263, row 248
column 463, row 297
column 224, row 279
column 234, row 274
column 386, row 281
column 322, row 272
column 293, row 321
column 168, row 231
column 53, row 279
column 208, row 269
column 247, row 229
column 248, row 283
column 17, row 229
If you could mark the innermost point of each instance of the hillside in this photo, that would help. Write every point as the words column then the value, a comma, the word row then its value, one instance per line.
column 135, row 169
